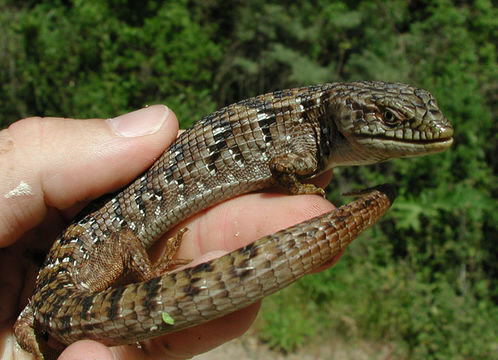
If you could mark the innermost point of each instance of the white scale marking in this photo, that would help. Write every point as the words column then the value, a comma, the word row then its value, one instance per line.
column 85, row 285
column 200, row 186
column 219, row 130
column 262, row 116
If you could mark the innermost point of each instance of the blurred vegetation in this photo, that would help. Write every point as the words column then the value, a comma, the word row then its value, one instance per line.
column 425, row 278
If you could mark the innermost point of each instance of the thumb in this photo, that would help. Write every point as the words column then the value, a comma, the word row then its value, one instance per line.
column 56, row 162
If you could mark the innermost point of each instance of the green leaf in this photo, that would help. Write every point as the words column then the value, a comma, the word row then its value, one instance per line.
column 167, row 318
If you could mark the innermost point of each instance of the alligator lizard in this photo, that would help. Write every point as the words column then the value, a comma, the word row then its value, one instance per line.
column 280, row 138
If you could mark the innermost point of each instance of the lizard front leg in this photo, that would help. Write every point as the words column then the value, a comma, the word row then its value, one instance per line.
column 289, row 169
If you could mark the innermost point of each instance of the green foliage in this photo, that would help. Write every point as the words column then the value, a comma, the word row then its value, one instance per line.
column 289, row 329
column 425, row 278
column 82, row 60
column 395, row 303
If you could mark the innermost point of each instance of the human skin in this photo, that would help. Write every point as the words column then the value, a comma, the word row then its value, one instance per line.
column 52, row 167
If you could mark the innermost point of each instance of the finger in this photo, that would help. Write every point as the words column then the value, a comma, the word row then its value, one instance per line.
column 194, row 341
column 224, row 228
column 323, row 179
column 205, row 337
column 86, row 349
column 59, row 162
column 243, row 220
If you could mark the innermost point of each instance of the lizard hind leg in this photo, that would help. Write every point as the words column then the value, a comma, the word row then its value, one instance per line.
column 26, row 335
column 289, row 169
column 137, row 260
column 124, row 253
column 166, row 262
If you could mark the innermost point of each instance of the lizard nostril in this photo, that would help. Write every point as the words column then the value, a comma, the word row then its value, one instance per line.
column 445, row 131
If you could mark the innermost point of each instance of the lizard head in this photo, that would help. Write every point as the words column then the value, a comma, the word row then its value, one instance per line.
column 377, row 121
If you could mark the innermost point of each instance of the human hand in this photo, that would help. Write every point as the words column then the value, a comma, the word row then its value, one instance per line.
column 52, row 167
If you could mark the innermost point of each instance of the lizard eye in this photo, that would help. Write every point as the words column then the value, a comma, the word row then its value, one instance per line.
column 390, row 118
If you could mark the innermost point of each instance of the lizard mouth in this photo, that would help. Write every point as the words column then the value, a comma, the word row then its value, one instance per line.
column 437, row 138
column 406, row 147
column 441, row 141
column 429, row 146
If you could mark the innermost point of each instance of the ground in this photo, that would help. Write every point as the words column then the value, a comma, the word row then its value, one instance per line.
column 248, row 347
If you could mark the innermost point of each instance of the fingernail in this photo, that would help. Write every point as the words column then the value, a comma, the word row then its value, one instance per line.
column 141, row 122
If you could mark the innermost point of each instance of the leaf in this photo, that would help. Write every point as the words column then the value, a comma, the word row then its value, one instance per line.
column 167, row 318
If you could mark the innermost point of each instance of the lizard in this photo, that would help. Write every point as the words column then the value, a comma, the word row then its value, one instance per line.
column 277, row 139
